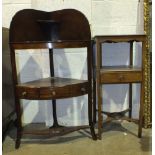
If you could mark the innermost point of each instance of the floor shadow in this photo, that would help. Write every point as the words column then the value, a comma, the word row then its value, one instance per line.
column 116, row 125
column 54, row 140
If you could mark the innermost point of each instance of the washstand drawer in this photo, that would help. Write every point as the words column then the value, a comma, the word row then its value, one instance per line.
column 120, row 77
column 64, row 92
column 27, row 93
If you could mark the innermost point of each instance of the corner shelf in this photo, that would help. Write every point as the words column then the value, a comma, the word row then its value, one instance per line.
column 52, row 88
column 35, row 29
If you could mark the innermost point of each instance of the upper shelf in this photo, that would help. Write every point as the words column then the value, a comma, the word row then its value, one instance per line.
column 50, row 44
column 52, row 88
column 49, row 21
column 120, row 68
column 50, row 28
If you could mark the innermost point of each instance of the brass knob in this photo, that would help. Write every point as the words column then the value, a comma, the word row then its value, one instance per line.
column 83, row 89
column 53, row 93
column 24, row 93
column 121, row 77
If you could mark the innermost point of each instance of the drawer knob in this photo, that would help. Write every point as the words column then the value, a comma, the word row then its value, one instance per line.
column 83, row 89
column 121, row 77
column 53, row 93
column 24, row 93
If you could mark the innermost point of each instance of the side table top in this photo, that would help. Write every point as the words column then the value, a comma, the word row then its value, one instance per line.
column 120, row 38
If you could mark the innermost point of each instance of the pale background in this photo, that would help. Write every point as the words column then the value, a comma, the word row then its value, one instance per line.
column 105, row 17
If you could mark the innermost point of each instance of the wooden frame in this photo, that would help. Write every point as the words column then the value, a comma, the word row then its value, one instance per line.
column 119, row 74
column 52, row 88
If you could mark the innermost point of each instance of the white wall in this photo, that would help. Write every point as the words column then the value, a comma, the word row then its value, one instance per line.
column 10, row 8
column 105, row 17
column 117, row 17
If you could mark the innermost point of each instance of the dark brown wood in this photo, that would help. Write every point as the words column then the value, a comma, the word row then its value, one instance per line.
column 94, row 99
column 7, row 103
column 52, row 88
column 50, row 28
column 55, row 131
column 90, row 97
column 120, row 74
column 116, row 75
column 17, row 101
column 30, row 30
column 55, row 121
column 120, row 38
column 130, row 84
column 50, row 44
column 94, row 82
column 99, row 87
column 34, row 29
column 51, row 62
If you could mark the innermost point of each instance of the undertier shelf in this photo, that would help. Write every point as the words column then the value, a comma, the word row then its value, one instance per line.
column 120, row 68
column 41, row 129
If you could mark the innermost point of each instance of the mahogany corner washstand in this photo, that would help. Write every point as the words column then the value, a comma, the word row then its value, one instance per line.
column 118, row 75
column 34, row 29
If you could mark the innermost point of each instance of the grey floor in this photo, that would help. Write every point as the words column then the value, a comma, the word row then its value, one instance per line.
column 118, row 138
